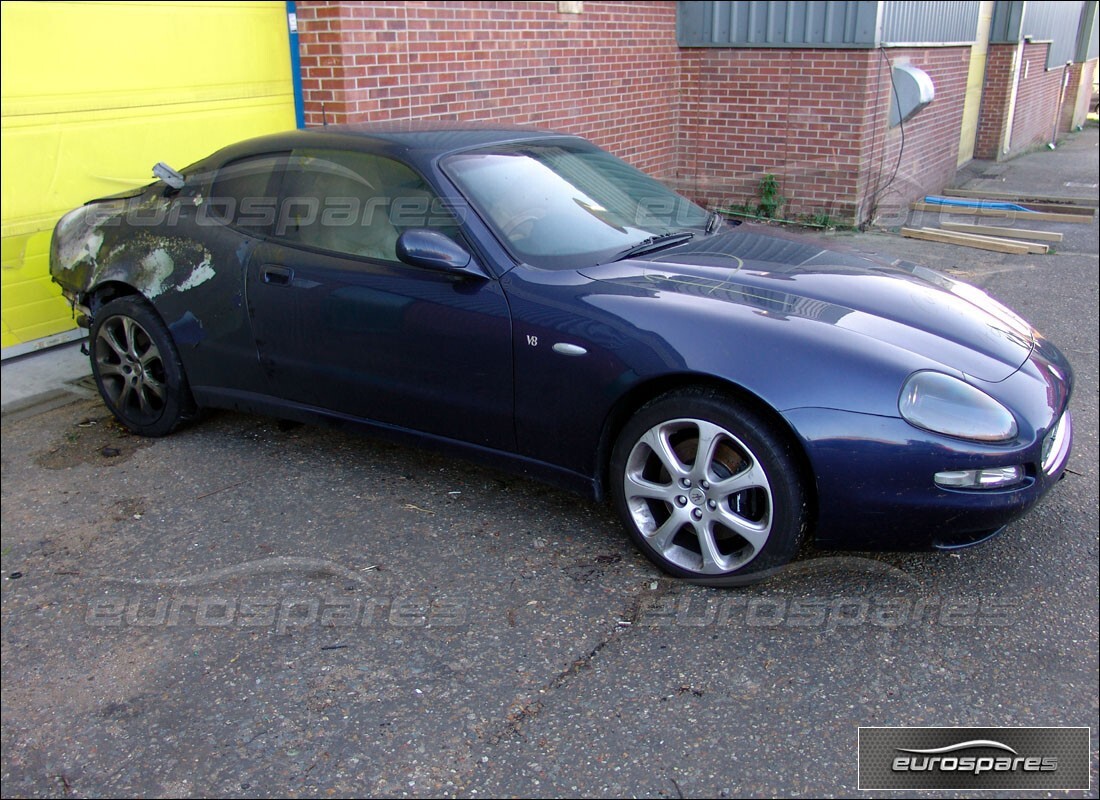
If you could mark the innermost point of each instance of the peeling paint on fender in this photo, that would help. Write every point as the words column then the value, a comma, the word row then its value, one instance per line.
column 79, row 240
column 201, row 274
column 158, row 266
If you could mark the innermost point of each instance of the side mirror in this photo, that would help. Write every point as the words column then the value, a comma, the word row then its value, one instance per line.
column 420, row 247
column 168, row 175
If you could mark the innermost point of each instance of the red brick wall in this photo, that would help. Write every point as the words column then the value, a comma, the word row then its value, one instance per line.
column 996, row 94
column 1070, row 97
column 1075, row 105
column 1037, row 102
column 713, row 121
column 818, row 120
column 610, row 74
column 797, row 114
column 927, row 143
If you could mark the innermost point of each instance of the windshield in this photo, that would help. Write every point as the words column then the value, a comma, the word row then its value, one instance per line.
column 566, row 203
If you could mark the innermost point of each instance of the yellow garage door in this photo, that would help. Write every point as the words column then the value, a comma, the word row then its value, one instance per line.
column 95, row 93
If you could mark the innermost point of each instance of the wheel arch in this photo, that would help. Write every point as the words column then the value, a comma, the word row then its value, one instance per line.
column 107, row 291
column 179, row 401
column 648, row 391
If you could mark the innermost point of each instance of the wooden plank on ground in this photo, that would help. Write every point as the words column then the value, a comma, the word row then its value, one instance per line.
column 1030, row 216
column 1022, row 197
column 948, row 237
column 1055, row 208
column 1004, row 233
column 1050, row 208
column 1032, row 247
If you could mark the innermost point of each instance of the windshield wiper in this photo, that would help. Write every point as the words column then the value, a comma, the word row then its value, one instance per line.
column 654, row 243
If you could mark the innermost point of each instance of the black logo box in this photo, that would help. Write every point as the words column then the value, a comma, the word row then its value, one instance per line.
column 1038, row 758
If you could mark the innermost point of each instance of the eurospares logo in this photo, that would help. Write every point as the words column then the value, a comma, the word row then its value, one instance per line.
column 950, row 759
column 974, row 758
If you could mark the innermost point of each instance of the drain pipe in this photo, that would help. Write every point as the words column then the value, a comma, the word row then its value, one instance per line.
column 1058, row 111
column 1017, row 67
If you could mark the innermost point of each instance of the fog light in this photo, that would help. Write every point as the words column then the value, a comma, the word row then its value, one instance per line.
column 980, row 478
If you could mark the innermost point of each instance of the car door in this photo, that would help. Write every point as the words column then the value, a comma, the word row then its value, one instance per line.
column 207, row 315
column 341, row 324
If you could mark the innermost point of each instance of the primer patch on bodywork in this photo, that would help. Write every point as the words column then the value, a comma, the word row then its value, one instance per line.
column 200, row 275
column 158, row 266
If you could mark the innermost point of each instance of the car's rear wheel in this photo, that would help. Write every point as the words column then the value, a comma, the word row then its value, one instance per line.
column 708, row 488
column 137, row 368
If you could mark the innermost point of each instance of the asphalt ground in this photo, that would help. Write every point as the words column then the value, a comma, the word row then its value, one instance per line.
column 250, row 608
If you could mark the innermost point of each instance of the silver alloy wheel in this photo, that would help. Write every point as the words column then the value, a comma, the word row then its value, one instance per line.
column 131, row 369
column 698, row 496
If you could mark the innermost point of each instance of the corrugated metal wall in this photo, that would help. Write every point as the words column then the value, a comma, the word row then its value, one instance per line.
column 859, row 23
column 1006, row 21
column 825, row 24
column 817, row 23
column 1054, row 21
column 951, row 21
column 1088, row 43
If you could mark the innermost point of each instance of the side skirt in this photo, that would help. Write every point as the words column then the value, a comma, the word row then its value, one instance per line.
column 266, row 405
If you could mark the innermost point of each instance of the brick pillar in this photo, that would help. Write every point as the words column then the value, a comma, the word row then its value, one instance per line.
column 996, row 97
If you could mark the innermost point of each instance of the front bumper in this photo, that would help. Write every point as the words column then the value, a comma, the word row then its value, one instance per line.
column 877, row 489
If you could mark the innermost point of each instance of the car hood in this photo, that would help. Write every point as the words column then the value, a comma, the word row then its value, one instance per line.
column 787, row 275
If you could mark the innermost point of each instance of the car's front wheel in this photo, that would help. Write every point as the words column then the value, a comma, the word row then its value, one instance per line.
column 137, row 368
column 708, row 488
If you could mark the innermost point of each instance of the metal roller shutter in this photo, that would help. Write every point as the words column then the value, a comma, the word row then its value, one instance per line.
column 95, row 93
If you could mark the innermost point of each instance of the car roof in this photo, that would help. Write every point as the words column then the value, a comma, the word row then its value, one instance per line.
column 440, row 136
column 413, row 140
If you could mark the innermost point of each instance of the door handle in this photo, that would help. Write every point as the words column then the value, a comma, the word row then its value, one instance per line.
column 277, row 276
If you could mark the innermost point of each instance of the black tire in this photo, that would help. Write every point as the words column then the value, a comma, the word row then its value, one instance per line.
column 738, row 509
column 137, row 368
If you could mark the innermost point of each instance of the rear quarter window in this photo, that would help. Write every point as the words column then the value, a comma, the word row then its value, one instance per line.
column 243, row 192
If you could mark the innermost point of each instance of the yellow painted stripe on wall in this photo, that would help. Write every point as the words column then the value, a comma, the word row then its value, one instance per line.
column 95, row 93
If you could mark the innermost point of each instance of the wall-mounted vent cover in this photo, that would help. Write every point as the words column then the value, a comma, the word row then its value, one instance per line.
column 913, row 90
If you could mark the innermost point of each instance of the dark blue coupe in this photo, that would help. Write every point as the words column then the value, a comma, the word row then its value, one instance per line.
column 524, row 298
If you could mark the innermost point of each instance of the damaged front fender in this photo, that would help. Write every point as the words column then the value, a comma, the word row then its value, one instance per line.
column 160, row 245
column 129, row 241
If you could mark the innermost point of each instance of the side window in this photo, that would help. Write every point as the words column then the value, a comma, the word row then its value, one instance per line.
column 243, row 192
column 355, row 203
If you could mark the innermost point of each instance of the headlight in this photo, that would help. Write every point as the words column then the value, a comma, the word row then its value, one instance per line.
column 942, row 404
